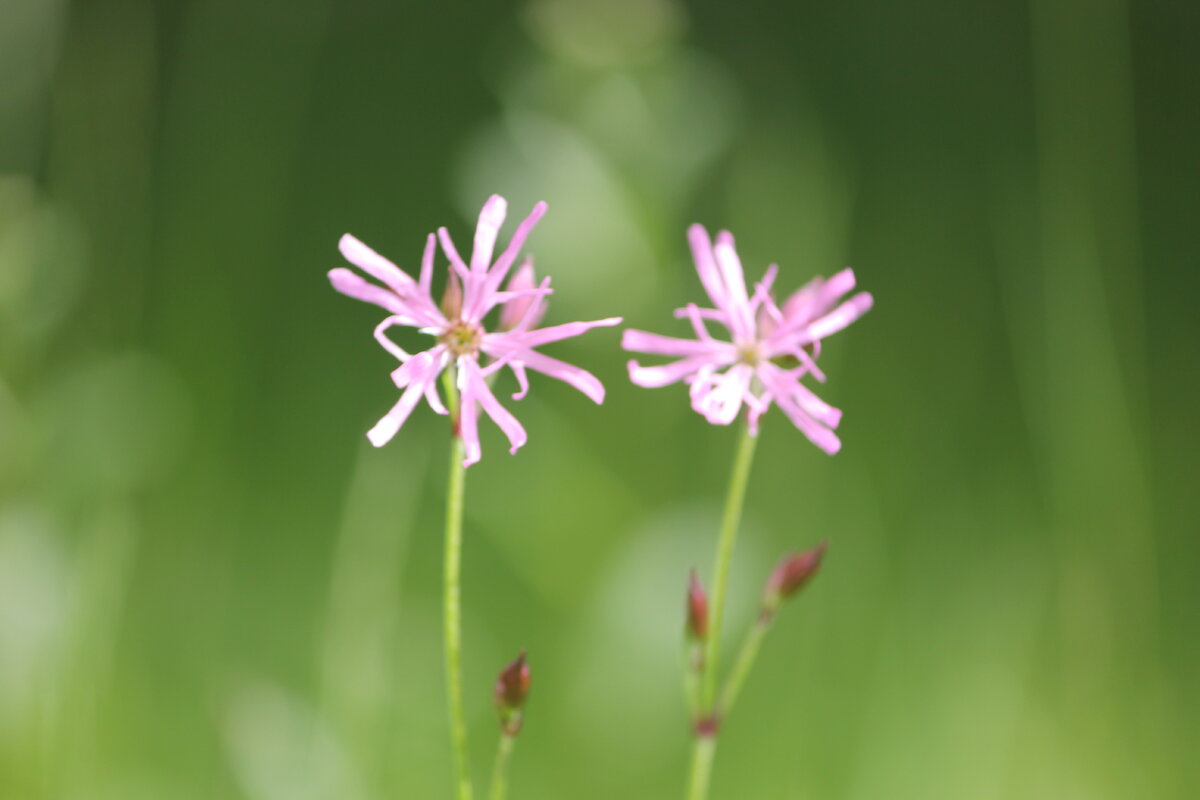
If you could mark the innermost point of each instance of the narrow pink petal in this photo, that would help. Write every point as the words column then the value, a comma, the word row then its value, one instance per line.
column 645, row 342
column 569, row 374
column 769, row 316
column 354, row 286
column 554, row 333
column 840, row 317
column 522, row 380
column 387, row 427
column 499, row 414
column 374, row 264
column 798, row 308
column 834, row 288
column 506, row 259
column 706, row 267
column 817, row 433
column 735, row 285
column 456, row 262
column 514, row 310
column 711, row 314
column 434, row 399
column 499, row 298
column 426, row 281
column 783, row 383
column 468, row 427
column 756, row 406
column 387, row 343
column 815, row 407
column 418, row 368
column 654, row 377
column 720, row 398
column 486, row 231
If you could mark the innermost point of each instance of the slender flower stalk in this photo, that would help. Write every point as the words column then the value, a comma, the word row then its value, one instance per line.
column 452, row 599
column 793, row 572
column 734, row 498
column 708, row 721
column 499, row 787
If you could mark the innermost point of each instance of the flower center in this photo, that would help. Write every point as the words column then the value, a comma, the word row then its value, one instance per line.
column 748, row 353
column 461, row 338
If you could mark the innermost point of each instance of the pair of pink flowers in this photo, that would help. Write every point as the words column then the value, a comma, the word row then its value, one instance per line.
column 772, row 347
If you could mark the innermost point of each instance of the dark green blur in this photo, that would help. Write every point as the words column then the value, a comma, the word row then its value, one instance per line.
column 211, row 586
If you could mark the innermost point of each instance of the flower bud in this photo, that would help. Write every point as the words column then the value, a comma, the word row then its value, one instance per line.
column 512, row 687
column 791, row 574
column 452, row 297
column 513, row 311
column 697, row 609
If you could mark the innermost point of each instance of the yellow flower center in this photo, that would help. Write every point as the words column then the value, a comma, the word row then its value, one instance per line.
column 461, row 338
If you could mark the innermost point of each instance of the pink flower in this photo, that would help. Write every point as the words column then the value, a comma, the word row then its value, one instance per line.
column 458, row 328
column 771, row 348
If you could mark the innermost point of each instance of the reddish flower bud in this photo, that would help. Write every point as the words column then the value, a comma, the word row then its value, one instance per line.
column 697, row 609
column 791, row 574
column 512, row 687
column 452, row 298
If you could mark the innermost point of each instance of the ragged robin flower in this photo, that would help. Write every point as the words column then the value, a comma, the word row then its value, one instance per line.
column 457, row 325
column 770, row 347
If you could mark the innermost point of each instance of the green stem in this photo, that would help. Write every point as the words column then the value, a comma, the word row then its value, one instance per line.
column 452, row 598
column 702, row 759
column 705, row 743
column 745, row 661
column 693, row 674
column 500, row 770
column 725, row 542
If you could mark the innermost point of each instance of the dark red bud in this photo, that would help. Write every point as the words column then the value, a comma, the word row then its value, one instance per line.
column 793, row 572
column 512, row 686
column 697, row 609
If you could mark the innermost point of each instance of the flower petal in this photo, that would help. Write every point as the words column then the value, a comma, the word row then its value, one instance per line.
column 417, row 373
column 784, row 383
column 426, row 281
column 386, row 428
column 719, row 396
column 706, row 267
column 352, row 285
column 374, row 264
column 817, row 433
column 468, row 427
column 741, row 315
column 514, row 311
column 840, row 317
column 522, row 380
column 645, row 342
column 387, row 343
column 569, row 374
column 554, row 333
column 506, row 259
column 499, row 414
column 486, row 231
column 654, row 377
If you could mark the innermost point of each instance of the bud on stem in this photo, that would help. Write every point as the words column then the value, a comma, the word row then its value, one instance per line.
column 512, row 687
column 790, row 576
column 697, row 609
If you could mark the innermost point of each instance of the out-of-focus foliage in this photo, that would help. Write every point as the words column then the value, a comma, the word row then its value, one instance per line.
column 211, row 586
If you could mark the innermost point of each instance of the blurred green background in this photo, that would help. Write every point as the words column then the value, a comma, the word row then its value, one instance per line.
column 211, row 586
